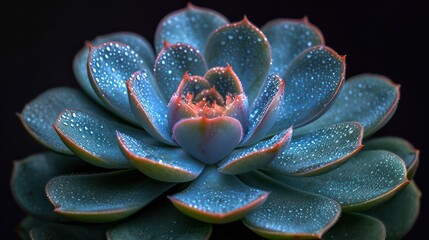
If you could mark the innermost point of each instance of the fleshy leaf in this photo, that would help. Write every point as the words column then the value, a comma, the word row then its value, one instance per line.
column 103, row 197
column 161, row 221
column 265, row 110
column 289, row 213
column 259, row 155
column 224, row 80
column 365, row 180
column 288, row 38
column 319, row 151
column 355, row 226
column 172, row 63
column 39, row 114
column 148, row 107
column 94, row 139
column 37, row 229
column 110, row 65
column 246, row 48
column 399, row 213
column 168, row 164
column 399, row 146
column 191, row 25
column 136, row 42
column 218, row 198
column 313, row 79
column 367, row 98
column 30, row 176
column 208, row 140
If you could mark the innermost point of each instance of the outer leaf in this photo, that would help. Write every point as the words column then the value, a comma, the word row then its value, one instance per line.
column 93, row 139
column 161, row 221
column 104, row 197
column 39, row 114
column 246, row 48
column 401, row 147
column 399, row 213
column 288, row 38
column 172, row 63
column 218, row 198
column 208, row 140
column 367, row 98
column 168, row 164
column 256, row 156
column 37, row 229
column 365, row 180
column 191, row 25
column 289, row 213
column 148, row 107
column 136, row 42
column 319, row 151
column 110, row 65
column 30, row 176
column 313, row 80
column 354, row 226
column 265, row 110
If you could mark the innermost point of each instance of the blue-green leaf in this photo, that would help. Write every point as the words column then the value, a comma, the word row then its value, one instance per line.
column 172, row 63
column 319, row 151
column 365, row 180
column 399, row 213
column 289, row 213
column 93, row 139
column 191, row 25
column 355, row 226
column 313, row 79
column 246, row 49
column 168, row 164
column 80, row 62
column 39, row 114
column 288, row 38
column 148, row 107
column 110, row 65
column 399, row 146
column 218, row 198
column 367, row 98
column 103, row 197
column 257, row 156
column 161, row 221
column 264, row 110
column 30, row 176
column 225, row 80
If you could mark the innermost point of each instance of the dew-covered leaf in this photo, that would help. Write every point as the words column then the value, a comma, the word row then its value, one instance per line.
column 257, row 156
column 288, row 38
column 246, row 49
column 103, row 197
column 30, row 176
column 319, row 151
column 218, row 198
column 161, row 221
column 224, row 80
column 312, row 80
column 365, row 180
column 367, row 98
column 289, row 213
column 163, row 163
column 191, row 25
column 93, row 139
column 399, row 146
column 39, row 114
column 400, row 212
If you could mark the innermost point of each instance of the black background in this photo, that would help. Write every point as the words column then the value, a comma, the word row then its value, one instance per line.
column 38, row 45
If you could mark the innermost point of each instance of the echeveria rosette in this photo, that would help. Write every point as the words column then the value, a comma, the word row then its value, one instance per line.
column 207, row 123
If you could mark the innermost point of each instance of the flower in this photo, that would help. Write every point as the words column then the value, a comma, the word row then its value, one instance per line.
column 209, row 123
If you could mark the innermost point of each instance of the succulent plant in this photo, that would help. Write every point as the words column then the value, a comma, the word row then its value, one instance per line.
column 228, row 122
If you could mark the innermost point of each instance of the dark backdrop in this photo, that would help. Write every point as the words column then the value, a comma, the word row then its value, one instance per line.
column 38, row 46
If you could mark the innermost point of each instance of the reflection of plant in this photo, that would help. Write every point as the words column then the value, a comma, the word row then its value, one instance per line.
column 217, row 106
